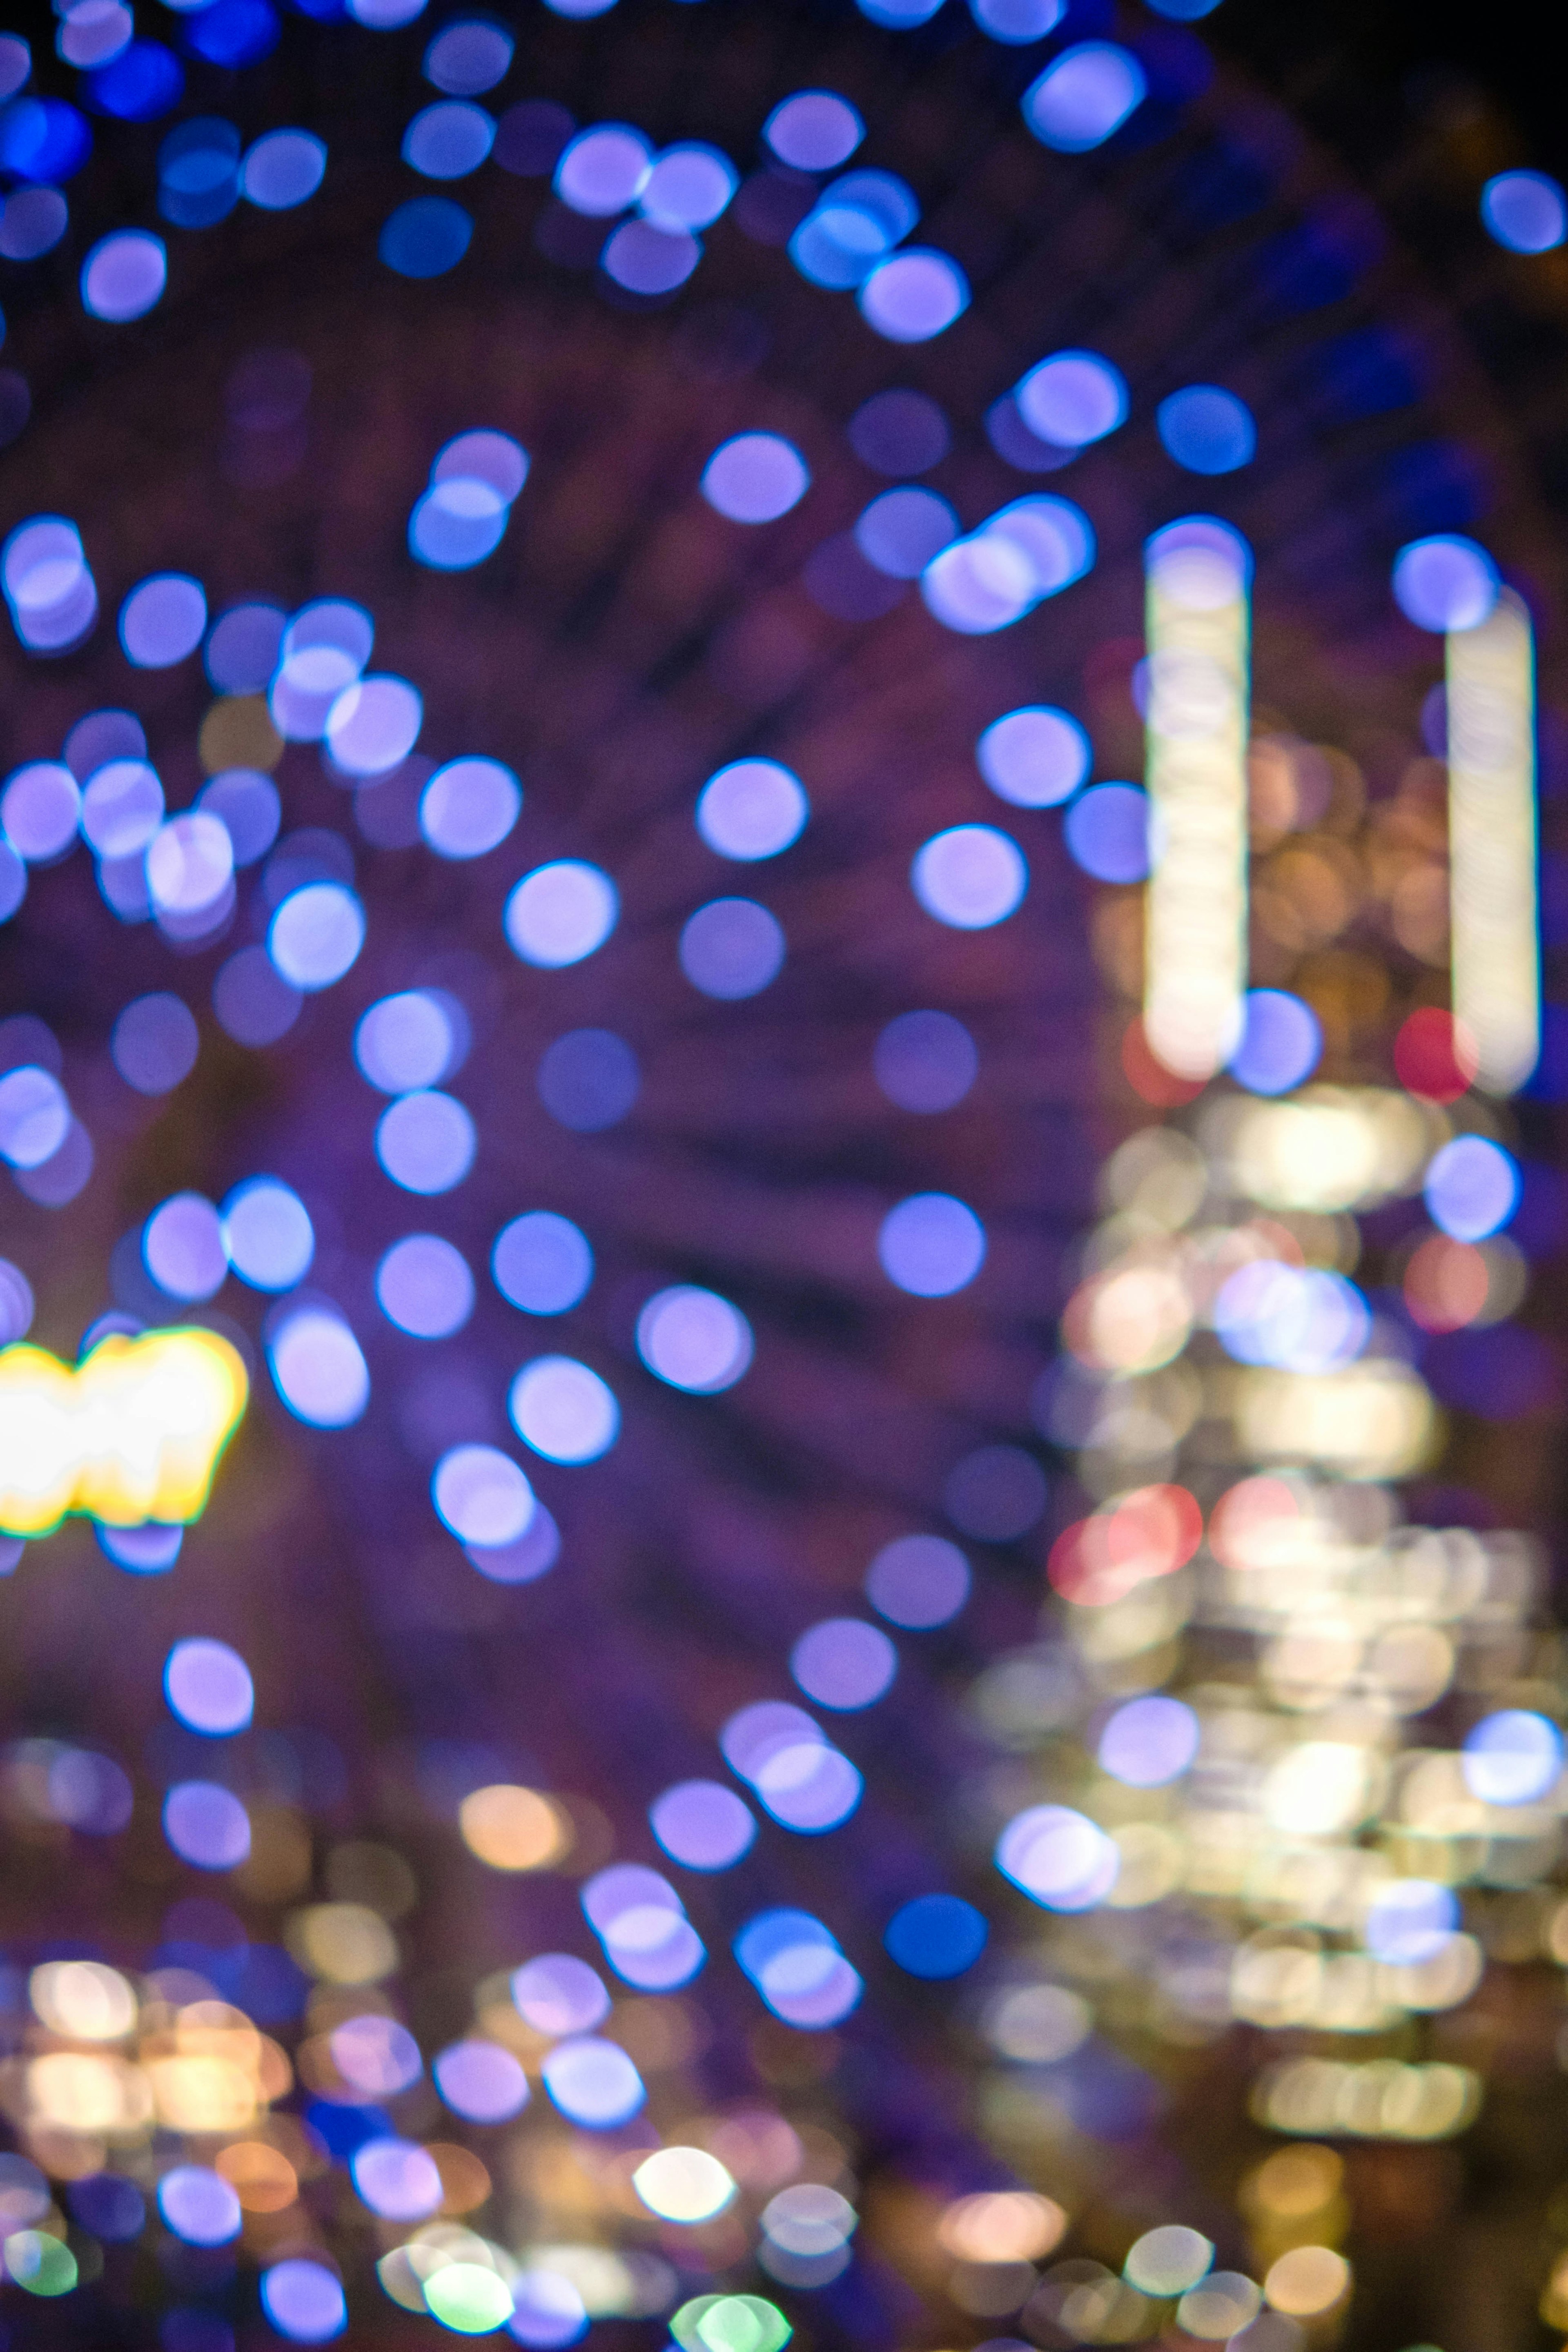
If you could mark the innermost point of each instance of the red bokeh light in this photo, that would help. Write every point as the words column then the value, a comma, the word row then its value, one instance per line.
column 1446, row 1284
column 1150, row 1078
column 1435, row 1055
column 1148, row 1533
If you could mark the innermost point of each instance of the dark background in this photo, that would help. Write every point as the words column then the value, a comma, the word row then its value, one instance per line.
column 1365, row 76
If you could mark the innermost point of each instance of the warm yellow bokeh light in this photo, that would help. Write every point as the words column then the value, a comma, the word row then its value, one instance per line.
column 1306, row 2281
column 1004, row 2225
column 82, row 2000
column 133, row 1432
column 683, row 2184
column 513, row 1828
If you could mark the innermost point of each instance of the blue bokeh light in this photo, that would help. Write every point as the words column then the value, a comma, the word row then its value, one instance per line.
column 1107, row 832
column 1472, row 1188
column 1207, row 429
column 1525, row 211
column 1281, row 1042
column 936, row 1937
column 1083, row 96
column 1035, row 757
column 1445, row 583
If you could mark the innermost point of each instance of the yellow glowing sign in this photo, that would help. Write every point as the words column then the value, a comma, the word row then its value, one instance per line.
column 133, row 1433
column 1492, row 842
column 1199, row 572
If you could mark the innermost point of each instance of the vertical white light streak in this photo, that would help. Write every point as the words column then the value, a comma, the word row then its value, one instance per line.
column 1492, row 842
column 1199, row 575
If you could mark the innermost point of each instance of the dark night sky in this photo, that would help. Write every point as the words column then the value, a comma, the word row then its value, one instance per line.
column 1378, row 59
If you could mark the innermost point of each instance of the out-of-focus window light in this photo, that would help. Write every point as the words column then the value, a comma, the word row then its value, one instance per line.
column 1525, row 211
column 1199, row 574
